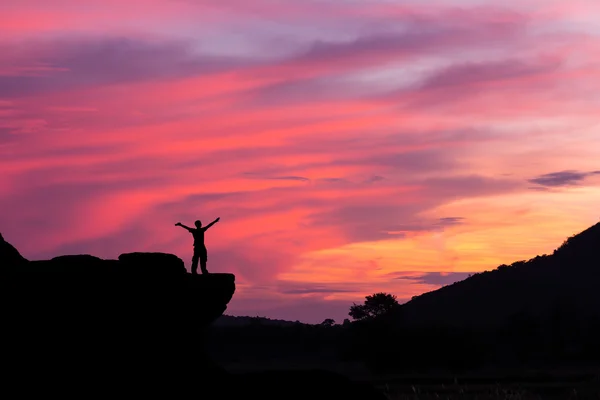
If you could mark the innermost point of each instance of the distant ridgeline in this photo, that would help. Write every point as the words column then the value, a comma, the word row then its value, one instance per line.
column 241, row 321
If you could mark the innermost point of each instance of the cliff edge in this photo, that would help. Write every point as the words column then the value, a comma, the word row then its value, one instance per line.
column 79, row 320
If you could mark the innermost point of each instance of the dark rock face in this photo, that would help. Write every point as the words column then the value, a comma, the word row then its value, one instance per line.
column 85, row 325
column 154, row 262
column 9, row 256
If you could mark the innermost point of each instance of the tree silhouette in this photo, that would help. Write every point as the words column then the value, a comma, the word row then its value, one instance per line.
column 328, row 322
column 374, row 306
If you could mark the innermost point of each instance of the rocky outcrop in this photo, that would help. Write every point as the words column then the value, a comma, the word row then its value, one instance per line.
column 78, row 322
column 9, row 255
column 160, row 263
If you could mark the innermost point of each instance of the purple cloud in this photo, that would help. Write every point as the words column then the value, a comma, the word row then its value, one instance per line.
column 467, row 186
column 438, row 278
column 450, row 221
column 81, row 62
column 420, row 35
column 475, row 73
column 562, row 178
column 315, row 289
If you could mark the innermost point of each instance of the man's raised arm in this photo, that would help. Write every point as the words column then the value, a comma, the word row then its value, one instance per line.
column 183, row 226
column 212, row 223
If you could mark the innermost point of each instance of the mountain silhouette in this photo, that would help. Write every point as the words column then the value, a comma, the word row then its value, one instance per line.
column 563, row 282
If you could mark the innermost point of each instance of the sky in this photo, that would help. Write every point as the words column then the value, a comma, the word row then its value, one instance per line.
column 349, row 147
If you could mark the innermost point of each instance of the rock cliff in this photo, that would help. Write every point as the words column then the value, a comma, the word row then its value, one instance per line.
column 79, row 321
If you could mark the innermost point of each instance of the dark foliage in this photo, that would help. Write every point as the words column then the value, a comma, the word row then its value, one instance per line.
column 375, row 305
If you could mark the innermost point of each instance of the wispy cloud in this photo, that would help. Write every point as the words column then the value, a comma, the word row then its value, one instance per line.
column 438, row 278
column 562, row 178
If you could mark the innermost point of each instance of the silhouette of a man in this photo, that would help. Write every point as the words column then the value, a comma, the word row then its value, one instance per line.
column 200, row 252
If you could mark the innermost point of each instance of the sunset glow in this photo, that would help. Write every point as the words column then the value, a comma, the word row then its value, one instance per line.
column 349, row 147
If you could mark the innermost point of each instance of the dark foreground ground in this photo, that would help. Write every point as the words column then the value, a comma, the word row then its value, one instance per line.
column 306, row 348
column 525, row 386
column 541, row 383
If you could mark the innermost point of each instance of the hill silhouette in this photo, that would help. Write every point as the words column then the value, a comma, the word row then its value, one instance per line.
column 543, row 311
column 540, row 287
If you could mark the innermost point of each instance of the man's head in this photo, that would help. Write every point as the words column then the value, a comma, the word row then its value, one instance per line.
column 198, row 224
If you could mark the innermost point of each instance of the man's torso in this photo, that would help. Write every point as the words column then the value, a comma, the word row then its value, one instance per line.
column 198, row 237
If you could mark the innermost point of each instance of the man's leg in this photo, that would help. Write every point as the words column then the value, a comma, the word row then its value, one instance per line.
column 203, row 265
column 203, row 259
column 195, row 262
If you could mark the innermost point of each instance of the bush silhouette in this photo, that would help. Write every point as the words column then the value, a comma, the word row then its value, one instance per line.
column 374, row 306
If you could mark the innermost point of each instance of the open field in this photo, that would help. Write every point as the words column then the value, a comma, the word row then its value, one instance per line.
column 555, row 390
column 583, row 385
column 492, row 384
